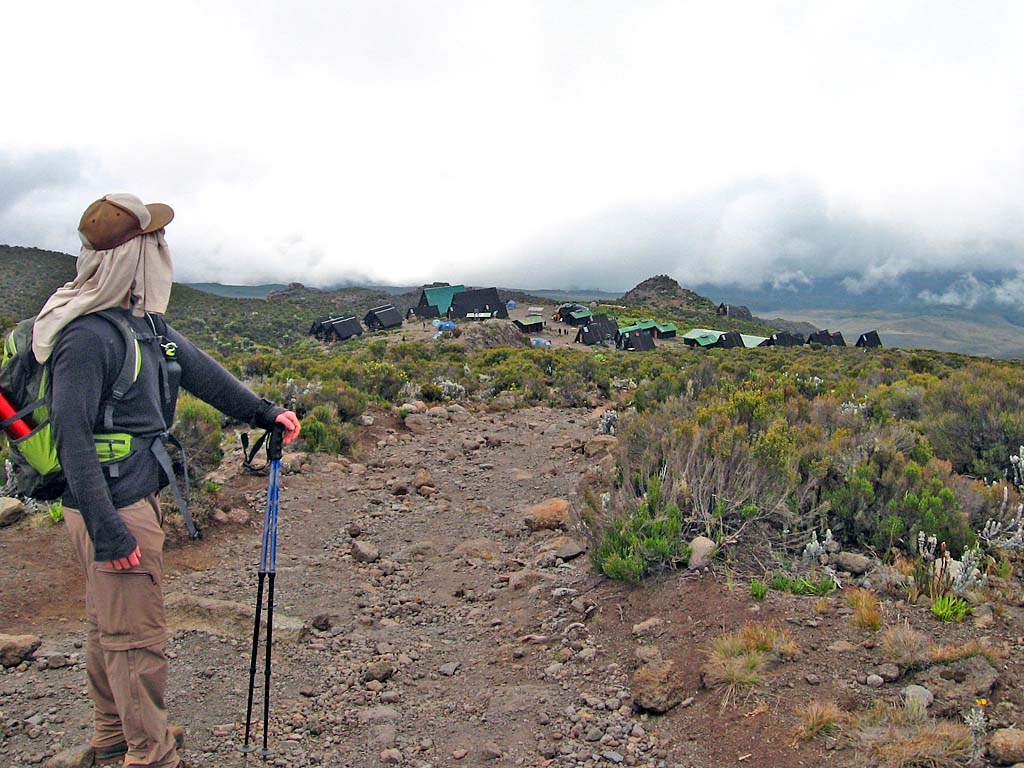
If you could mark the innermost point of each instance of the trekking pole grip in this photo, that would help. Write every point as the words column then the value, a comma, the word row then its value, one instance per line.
column 275, row 446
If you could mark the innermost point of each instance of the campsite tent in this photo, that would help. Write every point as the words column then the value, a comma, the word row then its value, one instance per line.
column 869, row 339
column 824, row 338
column 786, row 339
column 701, row 337
column 344, row 328
column 564, row 312
column 321, row 326
column 750, row 341
column 579, row 317
column 531, row 324
column 383, row 317
column 600, row 328
column 665, row 330
column 435, row 302
column 636, row 341
column 837, row 339
column 730, row 339
column 480, row 303
column 648, row 326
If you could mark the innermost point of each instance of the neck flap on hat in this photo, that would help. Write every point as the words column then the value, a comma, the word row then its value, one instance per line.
column 141, row 267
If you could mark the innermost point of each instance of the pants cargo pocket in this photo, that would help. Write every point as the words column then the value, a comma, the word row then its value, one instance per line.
column 129, row 607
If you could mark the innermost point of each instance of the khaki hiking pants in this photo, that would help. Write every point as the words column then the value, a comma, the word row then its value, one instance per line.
column 125, row 661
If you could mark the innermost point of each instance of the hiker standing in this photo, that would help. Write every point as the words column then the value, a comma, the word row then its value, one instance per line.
column 112, row 510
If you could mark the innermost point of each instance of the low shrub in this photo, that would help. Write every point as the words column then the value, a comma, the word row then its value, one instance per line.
column 949, row 608
column 198, row 427
column 645, row 541
column 803, row 585
column 758, row 589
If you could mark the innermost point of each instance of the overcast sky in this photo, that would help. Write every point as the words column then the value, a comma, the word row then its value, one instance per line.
column 536, row 144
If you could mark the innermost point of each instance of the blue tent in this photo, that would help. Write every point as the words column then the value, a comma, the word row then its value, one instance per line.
column 540, row 343
column 511, row 304
column 446, row 325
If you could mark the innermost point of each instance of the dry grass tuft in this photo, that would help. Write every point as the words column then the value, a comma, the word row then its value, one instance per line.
column 905, row 737
column 736, row 660
column 933, row 744
column 944, row 654
column 867, row 609
column 905, row 647
column 817, row 717
column 763, row 638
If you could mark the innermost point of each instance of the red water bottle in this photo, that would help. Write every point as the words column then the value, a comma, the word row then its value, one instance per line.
column 17, row 428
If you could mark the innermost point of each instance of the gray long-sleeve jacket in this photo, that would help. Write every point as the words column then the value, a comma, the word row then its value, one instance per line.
column 84, row 366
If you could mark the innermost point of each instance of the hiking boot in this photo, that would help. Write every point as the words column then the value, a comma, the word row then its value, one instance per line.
column 86, row 757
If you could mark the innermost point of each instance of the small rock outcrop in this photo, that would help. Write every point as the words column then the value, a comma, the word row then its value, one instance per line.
column 548, row 515
column 657, row 687
column 15, row 649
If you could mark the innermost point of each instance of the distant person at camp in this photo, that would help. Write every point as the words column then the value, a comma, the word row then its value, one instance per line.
column 111, row 507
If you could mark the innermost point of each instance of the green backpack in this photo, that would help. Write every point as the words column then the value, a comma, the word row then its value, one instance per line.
column 34, row 467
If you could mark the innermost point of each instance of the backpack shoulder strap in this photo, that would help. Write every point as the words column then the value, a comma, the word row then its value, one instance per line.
column 133, row 355
column 130, row 367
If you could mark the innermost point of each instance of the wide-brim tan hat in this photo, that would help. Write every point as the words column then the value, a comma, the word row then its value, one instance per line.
column 115, row 219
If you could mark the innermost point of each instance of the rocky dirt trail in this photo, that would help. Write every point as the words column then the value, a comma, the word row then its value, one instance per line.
column 435, row 607
column 418, row 619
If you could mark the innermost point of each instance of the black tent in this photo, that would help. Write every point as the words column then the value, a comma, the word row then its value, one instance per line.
column 532, row 324
column 636, row 341
column 869, row 339
column 383, row 317
column 478, row 302
column 601, row 328
column 564, row 312
column 821, row 337
column 344, row 328
column 837, row 339
column 787, row 339
column 321, row 326
column 730, row 339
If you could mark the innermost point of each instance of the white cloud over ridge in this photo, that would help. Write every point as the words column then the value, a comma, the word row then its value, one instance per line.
column 529, row 143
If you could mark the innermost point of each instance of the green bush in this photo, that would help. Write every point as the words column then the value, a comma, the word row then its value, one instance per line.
column 198, row 427
column 803, row 585
column 324, row 432
column 758, row 589
column 949, row 608
column 646, row 541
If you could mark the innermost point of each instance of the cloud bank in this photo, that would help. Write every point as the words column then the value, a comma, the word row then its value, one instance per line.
column 529, row 143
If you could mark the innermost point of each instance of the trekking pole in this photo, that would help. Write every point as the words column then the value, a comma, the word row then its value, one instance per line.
column 268, row 565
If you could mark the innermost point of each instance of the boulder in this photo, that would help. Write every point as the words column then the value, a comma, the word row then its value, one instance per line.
column 364, row 552
column 11, row 511
column 702, row 549
column 423, row 477
column 600, row 445
column 527, row 578
column 226, row 618
column 851, row 562
column 478, row 549
column 77, row 757
column 656, row 687
column 1006, row 746
column 15, row 649
column 564, row 547
column 417, row 423
column 918, row 695
column 548, row 515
